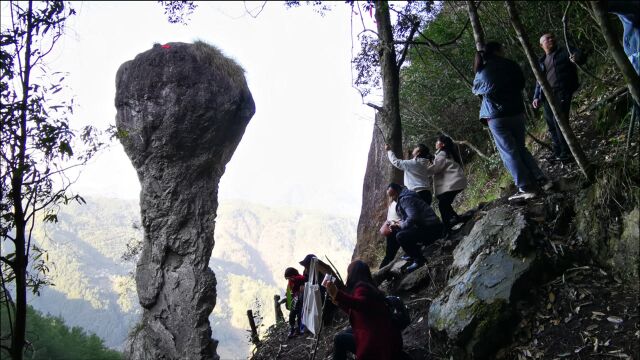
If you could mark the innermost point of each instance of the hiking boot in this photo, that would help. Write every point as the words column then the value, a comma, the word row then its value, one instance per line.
column 415, row 266
column 406, row 258
column 292, row 333
column 522, row 195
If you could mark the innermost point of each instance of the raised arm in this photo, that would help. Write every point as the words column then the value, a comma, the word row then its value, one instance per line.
column 398, row 163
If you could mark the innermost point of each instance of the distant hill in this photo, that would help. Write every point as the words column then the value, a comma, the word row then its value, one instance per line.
column 94, row 288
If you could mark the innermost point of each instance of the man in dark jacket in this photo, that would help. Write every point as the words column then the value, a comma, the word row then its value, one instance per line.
column 418, row 224
column 560, row 69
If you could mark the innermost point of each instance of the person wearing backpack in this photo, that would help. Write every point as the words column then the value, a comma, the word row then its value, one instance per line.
column 293, row 300
column 373, row 334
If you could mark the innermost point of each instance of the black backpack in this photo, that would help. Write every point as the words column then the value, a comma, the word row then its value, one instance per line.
column 399, row 313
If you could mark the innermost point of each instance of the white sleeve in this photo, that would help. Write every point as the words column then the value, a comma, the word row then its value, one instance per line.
column 400, row 164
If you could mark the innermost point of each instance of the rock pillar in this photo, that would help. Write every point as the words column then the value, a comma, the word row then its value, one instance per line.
column 181, row 112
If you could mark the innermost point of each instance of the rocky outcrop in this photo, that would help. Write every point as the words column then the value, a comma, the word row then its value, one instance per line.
column 474, row 308
column 181, row 112
column 370, row 245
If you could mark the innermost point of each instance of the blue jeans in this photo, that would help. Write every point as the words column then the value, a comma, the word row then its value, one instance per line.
column 509, row 134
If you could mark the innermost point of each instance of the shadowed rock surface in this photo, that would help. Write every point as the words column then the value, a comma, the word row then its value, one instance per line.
column 487, row 264
column 181, row 112
column 378, row 174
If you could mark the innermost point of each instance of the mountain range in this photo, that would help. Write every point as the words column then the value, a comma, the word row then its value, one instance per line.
column 94, row 286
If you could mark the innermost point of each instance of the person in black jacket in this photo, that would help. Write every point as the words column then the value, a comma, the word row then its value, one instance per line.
column 418, row 224
column 561, row 72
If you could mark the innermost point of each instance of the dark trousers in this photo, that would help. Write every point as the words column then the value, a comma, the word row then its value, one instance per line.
column 426, row 196
column 392, row 249
column 410, row 241
column 295, row 315
column 344, row 343
column 560, row 147
column 446, row 210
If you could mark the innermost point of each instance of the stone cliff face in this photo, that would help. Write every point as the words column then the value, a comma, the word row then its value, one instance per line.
column 370, row 246
column 181, row 112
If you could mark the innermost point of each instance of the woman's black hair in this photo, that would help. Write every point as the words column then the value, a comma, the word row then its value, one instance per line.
column 290, row 272
column 482, row 56
column 450, row 148
column 423, row 152
column 359, row 274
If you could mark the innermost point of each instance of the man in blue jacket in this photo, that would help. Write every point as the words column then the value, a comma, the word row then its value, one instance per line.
column 561, row 72
column 418, row 224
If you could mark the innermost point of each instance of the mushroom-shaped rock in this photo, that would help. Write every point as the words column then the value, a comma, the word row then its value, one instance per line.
column 181, row 112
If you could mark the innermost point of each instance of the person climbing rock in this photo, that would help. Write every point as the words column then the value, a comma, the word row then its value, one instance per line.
column 559, row 67
column 418, row 225
column 322, row 270
column 415, row 170
column 448, row 179
column 372, row 334
column 294, row 298
column 500, row 82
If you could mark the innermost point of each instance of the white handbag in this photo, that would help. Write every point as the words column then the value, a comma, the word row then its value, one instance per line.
column 312, row 306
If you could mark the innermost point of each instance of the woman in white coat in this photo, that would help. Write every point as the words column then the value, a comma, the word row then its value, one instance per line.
column 448, row 179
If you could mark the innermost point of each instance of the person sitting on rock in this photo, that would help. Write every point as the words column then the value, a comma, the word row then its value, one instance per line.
column 372, row 334
column 416, row 177
column 418, row 224
column 295, row 291
column 448, row 179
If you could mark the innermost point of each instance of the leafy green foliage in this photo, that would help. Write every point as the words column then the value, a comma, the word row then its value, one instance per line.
column 38, row 147
column 50, row 338
column 436, row 85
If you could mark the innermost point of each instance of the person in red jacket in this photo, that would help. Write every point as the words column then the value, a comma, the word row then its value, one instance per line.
column 372, row 336
column 295, row 290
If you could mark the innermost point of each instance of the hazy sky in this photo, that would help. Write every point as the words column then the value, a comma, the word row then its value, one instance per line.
column 307, row 144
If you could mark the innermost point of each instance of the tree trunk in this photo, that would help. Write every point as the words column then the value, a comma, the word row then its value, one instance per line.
column 629, row 73
column 478, row 33
column 563, row 121
column 388, row 130
column 21, row 260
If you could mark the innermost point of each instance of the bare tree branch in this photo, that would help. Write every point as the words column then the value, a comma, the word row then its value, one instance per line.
column 405, row 50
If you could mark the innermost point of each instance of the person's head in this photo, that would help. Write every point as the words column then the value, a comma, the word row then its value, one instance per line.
column 491, row 50
column 358, row 271
column 548, row 43
column 421, row 151
column 445, row 143
column 393, row 190
column 290, row 272
column 307, row 261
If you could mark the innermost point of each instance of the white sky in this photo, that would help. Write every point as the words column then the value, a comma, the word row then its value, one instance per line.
column 307, row 144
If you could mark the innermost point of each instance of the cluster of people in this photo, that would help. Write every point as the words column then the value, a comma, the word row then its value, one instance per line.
column 372, row 334
column 295, row 293
column 412, row 222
